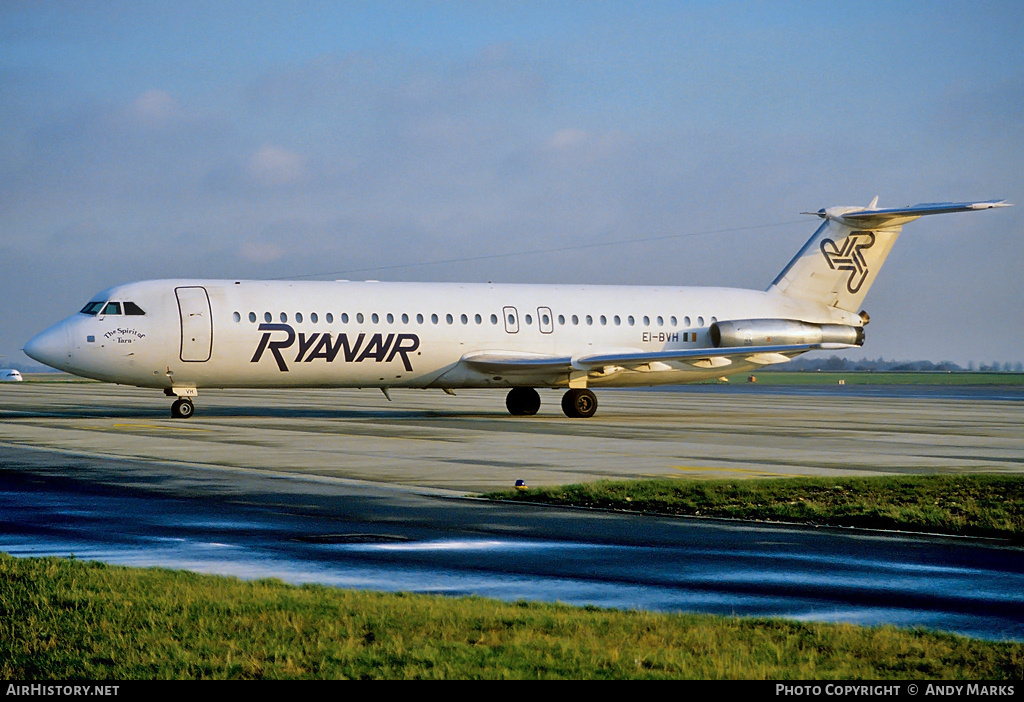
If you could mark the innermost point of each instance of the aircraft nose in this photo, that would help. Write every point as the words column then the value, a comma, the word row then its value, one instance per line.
column 50, row 347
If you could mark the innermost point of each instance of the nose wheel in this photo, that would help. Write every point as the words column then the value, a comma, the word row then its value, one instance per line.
column 182, row 408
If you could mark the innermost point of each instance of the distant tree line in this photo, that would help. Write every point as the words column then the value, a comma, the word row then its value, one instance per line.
column 835, row 363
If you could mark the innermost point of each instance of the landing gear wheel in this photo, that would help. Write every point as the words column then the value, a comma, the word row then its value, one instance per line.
column 579, row 403
column 522, row 402
column 182, row 408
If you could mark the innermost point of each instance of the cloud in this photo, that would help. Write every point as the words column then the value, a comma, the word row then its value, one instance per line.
column 273, row 166
column 155, row 106
column 261, row 252
column 582, row 143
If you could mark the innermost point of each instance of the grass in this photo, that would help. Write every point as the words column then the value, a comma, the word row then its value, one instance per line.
column 64, row 619
column 796, row 378
column 966, row 505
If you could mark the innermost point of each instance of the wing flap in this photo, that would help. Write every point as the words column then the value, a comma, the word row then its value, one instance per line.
column 701, row 358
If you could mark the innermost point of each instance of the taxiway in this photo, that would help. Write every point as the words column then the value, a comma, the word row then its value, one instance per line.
column 470, row 444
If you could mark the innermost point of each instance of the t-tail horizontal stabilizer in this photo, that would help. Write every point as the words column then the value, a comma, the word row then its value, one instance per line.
column 839, row 262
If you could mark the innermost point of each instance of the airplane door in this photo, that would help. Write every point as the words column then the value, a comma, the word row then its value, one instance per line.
column 196, row 323
column 545, row 320
column 511, row 319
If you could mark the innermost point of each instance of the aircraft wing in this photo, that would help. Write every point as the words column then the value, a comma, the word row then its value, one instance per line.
column 634, row 359
column 701, row 358
column 513, row 361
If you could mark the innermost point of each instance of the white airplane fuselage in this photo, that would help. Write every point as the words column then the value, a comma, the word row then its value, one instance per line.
column 373, row 334
column 183, row 335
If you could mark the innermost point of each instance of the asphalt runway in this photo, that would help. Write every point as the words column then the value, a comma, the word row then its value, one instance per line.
column 470, row 444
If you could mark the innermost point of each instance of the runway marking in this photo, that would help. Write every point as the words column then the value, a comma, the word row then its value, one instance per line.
column 157, row 426
column 748, row 471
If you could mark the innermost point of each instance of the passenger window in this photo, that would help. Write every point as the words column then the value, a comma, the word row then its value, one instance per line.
column 133, row 309
column 112, row 308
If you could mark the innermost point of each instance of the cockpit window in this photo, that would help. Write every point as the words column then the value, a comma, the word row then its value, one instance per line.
column 93, row 308
column 112, row 308
column 132, row 308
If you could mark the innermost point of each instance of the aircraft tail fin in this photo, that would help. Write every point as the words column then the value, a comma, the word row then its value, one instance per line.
column 840, row 261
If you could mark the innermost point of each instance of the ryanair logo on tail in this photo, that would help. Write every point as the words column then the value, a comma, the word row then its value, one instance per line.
column 850, row 257
column 380, row 348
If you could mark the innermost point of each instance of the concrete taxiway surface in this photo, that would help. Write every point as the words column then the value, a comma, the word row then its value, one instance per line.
column 469, row 443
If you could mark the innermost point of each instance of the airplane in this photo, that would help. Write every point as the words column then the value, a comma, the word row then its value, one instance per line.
column 10, row 375
column 182, row 335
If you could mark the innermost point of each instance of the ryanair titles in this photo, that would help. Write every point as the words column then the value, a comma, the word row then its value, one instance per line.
column 381, row 348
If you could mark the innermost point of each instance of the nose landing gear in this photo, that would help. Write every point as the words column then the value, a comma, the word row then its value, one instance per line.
column 182, row 408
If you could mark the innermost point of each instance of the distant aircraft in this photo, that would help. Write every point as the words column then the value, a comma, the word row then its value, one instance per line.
column 183, row 335
column 10, row 375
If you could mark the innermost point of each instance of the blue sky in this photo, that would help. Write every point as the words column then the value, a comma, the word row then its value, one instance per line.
column 641, row 143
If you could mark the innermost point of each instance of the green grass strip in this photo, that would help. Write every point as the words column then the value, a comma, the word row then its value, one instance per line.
column 770, row 377
column 63, row 619
column 965, row 505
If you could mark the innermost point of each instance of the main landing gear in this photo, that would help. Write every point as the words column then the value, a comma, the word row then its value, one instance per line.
column 578, row 403
column 182, row 408
column 522, row 402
